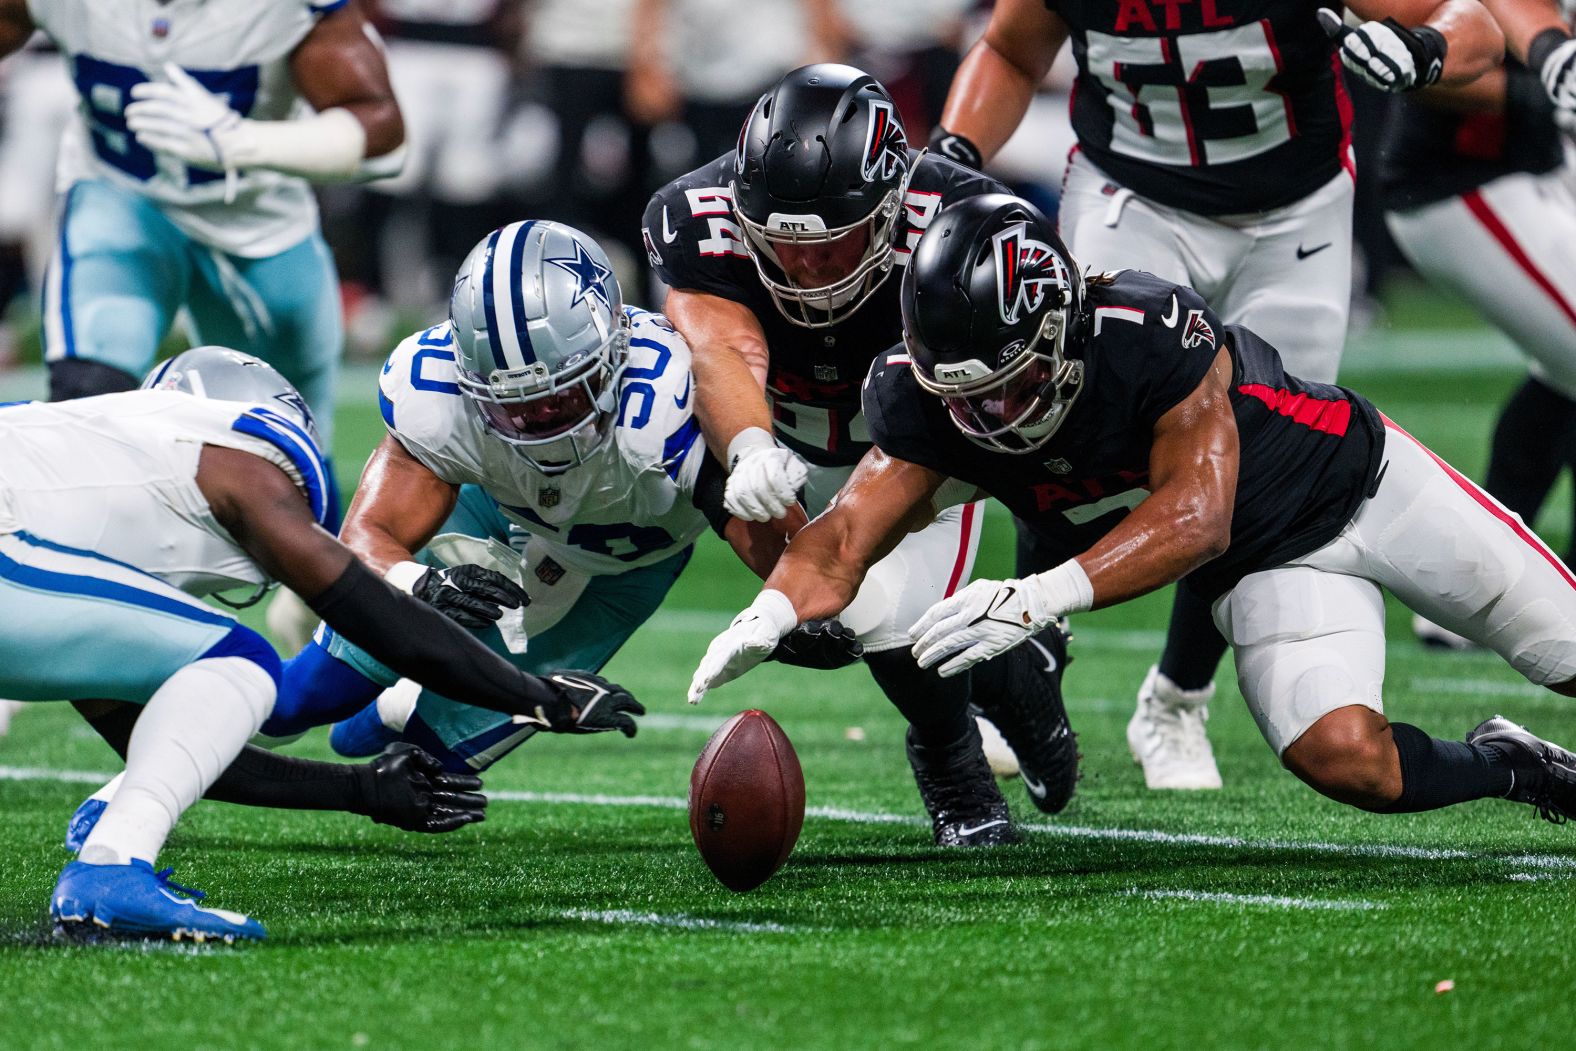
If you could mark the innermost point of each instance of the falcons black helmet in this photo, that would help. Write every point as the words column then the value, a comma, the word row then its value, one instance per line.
column 820, row 173
column 993, row 320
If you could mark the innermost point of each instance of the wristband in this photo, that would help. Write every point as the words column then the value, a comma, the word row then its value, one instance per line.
column 748, row 440
column 775, row 609
column 326, row 146
column 1059, row 591
column 1543, row 45
column 1434, row 47
column 402, row 576
column 956, row 147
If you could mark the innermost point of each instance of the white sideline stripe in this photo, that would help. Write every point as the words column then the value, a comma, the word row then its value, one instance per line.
column 1482, row 688
column 664, row 721
column 1271, row 900
column 864, row 817
column 679, row 920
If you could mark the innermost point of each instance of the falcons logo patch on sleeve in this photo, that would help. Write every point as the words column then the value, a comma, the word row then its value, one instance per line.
column 1197, row 331
column 1026, row 272
column 886, row 147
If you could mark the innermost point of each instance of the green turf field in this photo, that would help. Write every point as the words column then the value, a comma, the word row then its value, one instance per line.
column 579, row 915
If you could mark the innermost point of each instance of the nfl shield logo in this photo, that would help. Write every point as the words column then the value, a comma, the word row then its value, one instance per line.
column 548, row 497
column 826, row 373
column 1058, row 466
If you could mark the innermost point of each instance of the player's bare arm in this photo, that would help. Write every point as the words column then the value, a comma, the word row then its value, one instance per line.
column 398, row 507
column 1404, row 45
column 730, row 362
column 1186, row 520
column 339, row 65
column 16, row 26
column 992, row 88
column 263, row 511
column 1537, row 33
column 1523, row 21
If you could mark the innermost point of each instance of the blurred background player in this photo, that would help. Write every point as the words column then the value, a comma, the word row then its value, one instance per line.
column 1479, row 195
column 1212, row 151
column 542, row 453
column 116, row 514
column 778, row 254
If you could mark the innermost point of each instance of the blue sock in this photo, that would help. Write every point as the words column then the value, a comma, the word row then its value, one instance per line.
column 318, row 689
column 362, row 734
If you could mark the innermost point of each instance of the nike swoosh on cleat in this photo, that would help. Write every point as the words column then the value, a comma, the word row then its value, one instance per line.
column 668, row 233
column 1036, row 788
column 1170, row 320
column 1303, row 253
column 981, row 828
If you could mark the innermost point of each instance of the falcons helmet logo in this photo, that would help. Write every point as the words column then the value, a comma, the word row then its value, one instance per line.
column 1026, row 271
column 886, row 147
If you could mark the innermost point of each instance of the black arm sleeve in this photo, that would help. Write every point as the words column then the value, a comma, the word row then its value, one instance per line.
column 259, row 777
column 710, row 485
column 420, row 643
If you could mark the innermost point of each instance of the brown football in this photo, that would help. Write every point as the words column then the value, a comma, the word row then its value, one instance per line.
column 746, row 800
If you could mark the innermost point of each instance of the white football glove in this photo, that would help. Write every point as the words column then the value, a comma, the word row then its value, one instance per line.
column 764, row 479
column 185, row 120
column 749, row 640
column 1559, row 80
column 1386, row 54
column 990, row 617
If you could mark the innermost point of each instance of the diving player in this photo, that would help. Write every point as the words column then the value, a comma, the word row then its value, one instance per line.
column 186, row 180
column 545, row 433
column 115, row 512
column 1144, row 440
column 778, row 256
column 1213, row 150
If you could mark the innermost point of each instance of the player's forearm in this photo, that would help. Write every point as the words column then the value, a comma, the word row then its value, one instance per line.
column 374, row 544
column 16, row 26
column 1486, row 94
column 1176, row 530
column 1475, row 44
column 729, row 397
column 988, row 99
column 1523, row 21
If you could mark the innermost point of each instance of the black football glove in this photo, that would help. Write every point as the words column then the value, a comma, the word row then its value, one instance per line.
column 409, row 789
column 1387, row 54
column 471, row 596
column 956, row 147
column 823, row 644
column 583, row 703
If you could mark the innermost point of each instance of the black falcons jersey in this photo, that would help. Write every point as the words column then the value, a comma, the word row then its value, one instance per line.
column 1309, row 451
column 1212, row 106
column 813, row 379
column 1430, row 153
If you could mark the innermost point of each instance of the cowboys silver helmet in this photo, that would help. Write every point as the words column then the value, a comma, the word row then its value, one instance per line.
column 541, row 339
column 223, row 374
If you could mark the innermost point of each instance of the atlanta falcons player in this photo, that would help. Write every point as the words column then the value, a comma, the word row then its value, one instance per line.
column 1478, row 194
column 778, row 256
column 1213, row 151
column 1287, row 504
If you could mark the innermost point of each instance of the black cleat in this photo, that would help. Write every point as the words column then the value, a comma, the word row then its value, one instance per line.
column 1023, row 700
column 966, row 807
column 1543, row 774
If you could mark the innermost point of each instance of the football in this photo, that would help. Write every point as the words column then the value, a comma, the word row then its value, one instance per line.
column 746, row 800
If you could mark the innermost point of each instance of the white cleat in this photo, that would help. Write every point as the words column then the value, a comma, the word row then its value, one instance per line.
column 998, row 753
column 290, row 621
column 1167, row 736
column 8, row 709
column 1438, row 638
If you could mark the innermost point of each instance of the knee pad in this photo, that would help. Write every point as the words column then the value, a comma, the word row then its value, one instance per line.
column 73, row 378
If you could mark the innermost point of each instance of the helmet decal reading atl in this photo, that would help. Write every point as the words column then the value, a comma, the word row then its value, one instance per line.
column 1025, row 271
column 886, row 147
column 589, row 275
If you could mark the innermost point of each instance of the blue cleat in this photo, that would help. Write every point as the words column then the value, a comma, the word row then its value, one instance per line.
column 362, row 734
column 133, row 900
column 82, row 822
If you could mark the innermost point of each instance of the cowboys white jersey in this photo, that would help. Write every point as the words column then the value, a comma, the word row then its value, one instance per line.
column 629, row 505
column 117, row 475
column 239, row 49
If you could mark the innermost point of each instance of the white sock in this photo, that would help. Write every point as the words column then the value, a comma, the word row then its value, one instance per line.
column 107, row 793
column 8, row 709
column 190, row 731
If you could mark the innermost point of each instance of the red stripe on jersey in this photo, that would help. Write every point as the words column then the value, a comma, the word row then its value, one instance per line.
column 1331, row 417
column 1489, row 504
column 965, row 544
column 1479, row 207
column 1343, row 107
column 1280, row 67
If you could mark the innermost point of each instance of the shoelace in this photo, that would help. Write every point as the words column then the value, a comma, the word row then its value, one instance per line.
column 163, row 876
column 1180, row 729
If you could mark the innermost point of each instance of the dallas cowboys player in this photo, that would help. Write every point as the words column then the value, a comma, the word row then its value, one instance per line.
column 114, row 512
column 1288, row 505
column 185, row 179
column 542, row 439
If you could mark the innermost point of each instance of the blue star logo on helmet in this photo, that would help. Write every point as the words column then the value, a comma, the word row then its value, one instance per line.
column 589, row 275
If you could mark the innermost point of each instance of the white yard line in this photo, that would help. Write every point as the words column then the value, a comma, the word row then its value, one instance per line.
column 628, row 917
column 1484, row 688
column 863, row 817
column 1270, row 900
